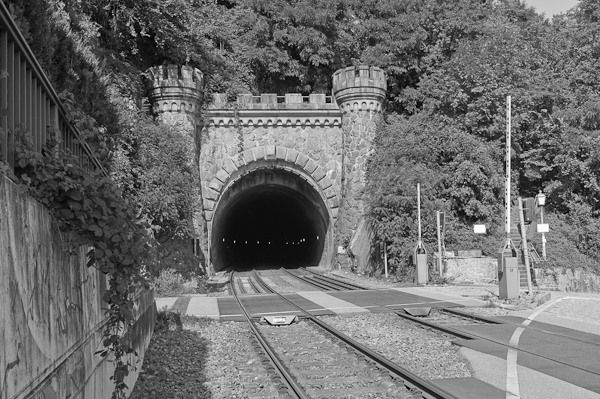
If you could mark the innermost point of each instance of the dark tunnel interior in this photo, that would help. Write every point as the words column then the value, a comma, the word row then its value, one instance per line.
column 269, row 225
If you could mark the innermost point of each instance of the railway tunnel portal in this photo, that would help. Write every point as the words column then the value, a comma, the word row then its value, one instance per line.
column 282, row 177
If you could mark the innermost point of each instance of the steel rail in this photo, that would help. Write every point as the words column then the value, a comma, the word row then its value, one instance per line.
column 411, row 380
column 281, row 369
column 241, row 284
column 464, row 335
column 254, row 286
column 336, row 282
column 330, row 285
column 358, row 287
column 317, row 284
column 472, row 316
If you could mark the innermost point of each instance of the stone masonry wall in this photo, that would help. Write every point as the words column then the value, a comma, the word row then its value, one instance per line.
column 565, row 279
column 221, row 144
column 359, row 92
column 305, row 135
column 472, row 270
column 359, row 132
column 298, row 132
column 51, row 316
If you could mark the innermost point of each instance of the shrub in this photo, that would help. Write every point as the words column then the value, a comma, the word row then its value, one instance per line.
column 170, row 284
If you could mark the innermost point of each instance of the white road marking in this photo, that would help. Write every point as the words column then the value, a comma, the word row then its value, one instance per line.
column 512, row 376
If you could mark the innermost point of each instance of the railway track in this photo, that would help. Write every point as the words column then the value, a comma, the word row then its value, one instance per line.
column 322, row 282
column 440, row 319
column 314, row 360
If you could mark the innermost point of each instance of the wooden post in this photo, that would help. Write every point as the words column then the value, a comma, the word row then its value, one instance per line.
column 525, row 247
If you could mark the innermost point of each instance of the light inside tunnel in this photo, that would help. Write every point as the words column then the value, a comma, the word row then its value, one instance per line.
column 273, row 212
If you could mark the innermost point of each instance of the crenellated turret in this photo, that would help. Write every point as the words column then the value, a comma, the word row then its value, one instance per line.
column 171, row 88
column 359, row 92
column 359, row 88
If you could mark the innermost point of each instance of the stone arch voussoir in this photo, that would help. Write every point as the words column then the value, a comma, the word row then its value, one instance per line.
column 278, row 157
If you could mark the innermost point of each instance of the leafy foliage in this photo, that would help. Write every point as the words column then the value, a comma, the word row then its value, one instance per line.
column 90, row 206
column 450, row 66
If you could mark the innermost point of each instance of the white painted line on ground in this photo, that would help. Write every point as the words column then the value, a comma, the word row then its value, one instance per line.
column 512, row 377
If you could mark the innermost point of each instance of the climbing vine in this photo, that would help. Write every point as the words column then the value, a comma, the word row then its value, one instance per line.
column 89, row 206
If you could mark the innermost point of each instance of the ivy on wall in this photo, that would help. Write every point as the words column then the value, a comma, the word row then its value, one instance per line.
column 90, row 206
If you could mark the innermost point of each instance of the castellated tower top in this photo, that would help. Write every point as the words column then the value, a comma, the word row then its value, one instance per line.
column 171, row 88
column 359, row 88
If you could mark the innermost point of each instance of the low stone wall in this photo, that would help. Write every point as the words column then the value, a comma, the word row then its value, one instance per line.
column 471, row 270
column 564, row 279
column 51, row 317
column 484, row 271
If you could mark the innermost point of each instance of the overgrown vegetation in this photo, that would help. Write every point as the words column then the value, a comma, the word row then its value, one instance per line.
column 450, row 66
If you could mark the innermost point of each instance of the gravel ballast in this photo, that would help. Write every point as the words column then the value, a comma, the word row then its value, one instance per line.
column 426, row 353
column 203, row 358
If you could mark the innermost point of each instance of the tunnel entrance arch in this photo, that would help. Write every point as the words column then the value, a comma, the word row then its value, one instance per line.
column 272, row 213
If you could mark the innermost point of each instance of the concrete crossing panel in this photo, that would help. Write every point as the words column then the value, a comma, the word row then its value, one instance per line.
column 203, row 306
column 332, row 303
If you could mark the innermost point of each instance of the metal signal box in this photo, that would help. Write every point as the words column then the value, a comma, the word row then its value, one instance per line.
column 421, row 269
column 508, row 278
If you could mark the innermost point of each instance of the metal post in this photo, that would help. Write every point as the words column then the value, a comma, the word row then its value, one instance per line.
column 507, row 175
column 525, row 247
column 543, row 234
column 419, row 213
column 385, row 264
column 439, row 234
column 508, row 244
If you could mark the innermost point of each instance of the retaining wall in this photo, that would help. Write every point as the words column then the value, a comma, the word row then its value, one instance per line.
column 564, row 279
column 51, row 317
column 472, row 270
column 484, row 271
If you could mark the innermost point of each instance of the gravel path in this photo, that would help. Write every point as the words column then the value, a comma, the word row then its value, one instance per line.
column 428, row 354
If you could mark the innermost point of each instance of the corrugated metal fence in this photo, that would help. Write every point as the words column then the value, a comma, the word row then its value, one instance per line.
column 28, row 102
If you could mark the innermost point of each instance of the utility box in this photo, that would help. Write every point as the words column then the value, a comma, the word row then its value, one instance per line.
column 508, row 278
column 421, row 269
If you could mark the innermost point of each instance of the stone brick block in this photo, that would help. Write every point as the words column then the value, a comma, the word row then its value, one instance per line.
column 230, row 166
column 244, row 98
column 301, row 160
column 208, row 204
column 222, row 175
column 280, row 152
column 333, row 202
column 248, row 156
column 293, row 98
column 268, row 98
column 292, row 155
column 318, row 174
column 219, row 98
column 315, row 98
column 210, row 194
column 270, row 152
column 330, row 192
column 335, row 212
column 311, row 166
column 216, row 185
column 259, row 153
column 325, row 183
